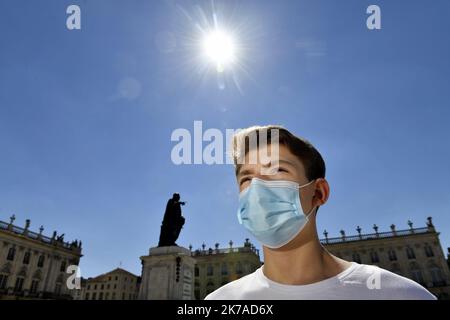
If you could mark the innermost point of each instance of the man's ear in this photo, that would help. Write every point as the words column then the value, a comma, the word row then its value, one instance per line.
column 322, row 192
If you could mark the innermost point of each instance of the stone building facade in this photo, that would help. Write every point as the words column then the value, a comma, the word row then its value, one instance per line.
column 34, row 266
column 415, row 253
column 118, row 284
column 216, row 267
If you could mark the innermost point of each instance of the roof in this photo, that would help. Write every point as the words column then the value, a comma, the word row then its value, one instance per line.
column 103, row 276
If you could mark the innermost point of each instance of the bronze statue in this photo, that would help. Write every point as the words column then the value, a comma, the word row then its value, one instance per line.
column 172, row 223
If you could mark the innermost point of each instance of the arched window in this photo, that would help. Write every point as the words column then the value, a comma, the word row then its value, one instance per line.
column 3, row 281
column 374, row 257
column 11, row 254
column 210, row 270
column 410, row 253
column 238, row 267
column 41, row 261
column 416, row 273
column 34, row 286
column 63, row 266
column 392, row 255
column 196, row 271
column 356, row 257
column 224, row 269
column 26, row 258
column 19, row 284
column 429, row 251
column 436, row 277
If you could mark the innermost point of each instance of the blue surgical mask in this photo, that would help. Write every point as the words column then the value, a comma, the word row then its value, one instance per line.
column 272, row 211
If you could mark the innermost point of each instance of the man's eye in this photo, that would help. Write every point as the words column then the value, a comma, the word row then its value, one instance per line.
column 244, row 180
column 281, row 170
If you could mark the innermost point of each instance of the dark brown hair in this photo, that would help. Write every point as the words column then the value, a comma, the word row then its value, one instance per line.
column 309, row 156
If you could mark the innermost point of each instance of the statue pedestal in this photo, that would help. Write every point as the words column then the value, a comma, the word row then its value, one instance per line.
column 167, row 274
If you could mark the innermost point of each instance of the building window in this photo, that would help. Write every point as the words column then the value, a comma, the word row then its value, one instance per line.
column 392, row 255
column 34, row 286
column 102, row 287
column 196, row 271
column 417, row 276
column 87, row 296
column 107, row 286
column 41, row 260
column 356, row 258
column 123, row 296
column 95, row 287
column 19, row 284
column 436, row 276
column 63, row 266
column 224, row 269
column 429, row 251
column 130, row 296
column 11, row 254
column 100, row 296
column 94, row 296
column 209, row 270
column 374, row 257
column 114, row 296
column 58, row 288
column 238, row 267
column 115, row 286
column 107, row 296
column 410, row 253
column 26, row 258
column 116, row 278
column 109, row 278
column 3, row 281
column 89, row 287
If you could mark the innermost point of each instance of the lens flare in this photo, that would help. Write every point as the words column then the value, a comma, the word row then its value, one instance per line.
column 220, row 49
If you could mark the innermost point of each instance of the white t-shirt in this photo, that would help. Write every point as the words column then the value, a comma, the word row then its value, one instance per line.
column 359, row 281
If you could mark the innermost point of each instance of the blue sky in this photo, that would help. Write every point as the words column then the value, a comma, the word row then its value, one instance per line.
column 86, row 116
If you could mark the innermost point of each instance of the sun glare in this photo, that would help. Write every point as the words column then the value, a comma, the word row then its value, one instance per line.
column 220, row 49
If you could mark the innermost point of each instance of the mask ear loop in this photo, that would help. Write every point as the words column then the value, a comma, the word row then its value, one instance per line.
column 312, row 209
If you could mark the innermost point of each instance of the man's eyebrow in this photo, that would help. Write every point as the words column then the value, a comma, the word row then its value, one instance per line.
column 240, row 173
column 244, row 172
column 285, row 161
column 282, row 161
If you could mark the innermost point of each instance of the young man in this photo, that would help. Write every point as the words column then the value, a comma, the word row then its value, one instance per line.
column 279, row 208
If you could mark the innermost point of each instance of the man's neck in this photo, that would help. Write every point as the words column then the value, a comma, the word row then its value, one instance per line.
column 304, row 264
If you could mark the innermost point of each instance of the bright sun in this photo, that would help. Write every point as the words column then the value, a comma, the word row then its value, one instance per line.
column 219, row 48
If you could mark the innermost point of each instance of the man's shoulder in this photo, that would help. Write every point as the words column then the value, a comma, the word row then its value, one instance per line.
column 392, row 285
column 232, row 290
